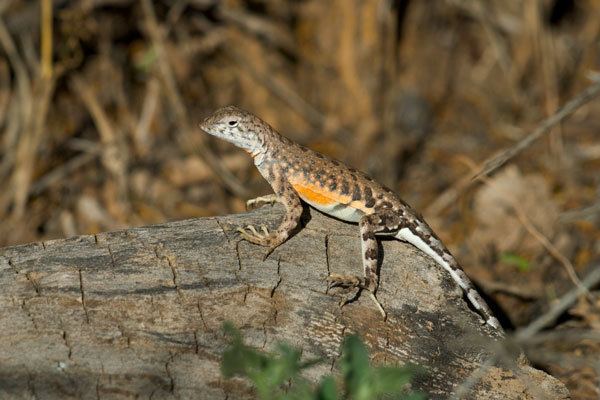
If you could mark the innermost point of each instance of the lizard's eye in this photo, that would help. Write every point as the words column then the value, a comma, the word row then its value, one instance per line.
column 232, row 123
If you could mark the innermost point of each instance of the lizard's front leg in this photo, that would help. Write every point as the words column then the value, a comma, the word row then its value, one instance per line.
column 262, row 200
column 293, row 210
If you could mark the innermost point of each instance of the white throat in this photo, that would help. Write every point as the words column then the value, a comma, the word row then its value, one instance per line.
column 259, row 157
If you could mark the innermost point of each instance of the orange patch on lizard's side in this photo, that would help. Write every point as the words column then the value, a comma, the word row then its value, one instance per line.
column 315, row 194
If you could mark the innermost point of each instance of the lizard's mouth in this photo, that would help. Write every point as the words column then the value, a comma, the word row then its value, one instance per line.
column 204, row 126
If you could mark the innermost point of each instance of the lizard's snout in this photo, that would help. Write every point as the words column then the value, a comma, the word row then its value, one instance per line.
column 205, row 124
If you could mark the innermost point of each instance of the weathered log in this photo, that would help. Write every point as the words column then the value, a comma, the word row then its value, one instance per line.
column 139, row 312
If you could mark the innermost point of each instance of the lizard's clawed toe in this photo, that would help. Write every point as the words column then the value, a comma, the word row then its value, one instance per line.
column 351, row 284
column 345, row 281
column 263, row 234
column 261, row 201
column 252, row 235
column 355, row 285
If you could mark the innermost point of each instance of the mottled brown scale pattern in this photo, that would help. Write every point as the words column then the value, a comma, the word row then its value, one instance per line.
column 297, row 173
column 356, row 192
column 345, row 187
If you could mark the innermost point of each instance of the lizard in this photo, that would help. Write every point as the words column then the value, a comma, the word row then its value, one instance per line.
column 300, row 175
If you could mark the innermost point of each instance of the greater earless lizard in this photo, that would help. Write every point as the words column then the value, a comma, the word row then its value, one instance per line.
column 299, row 174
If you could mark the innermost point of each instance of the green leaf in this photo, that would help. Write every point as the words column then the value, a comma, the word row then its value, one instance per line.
column 240, row 359
column 278, row 376
column 326, row 390
column 301, row 390
column 391, row 379
column 147, row 60
column 268, row 372
column 280, row 369
column 516, row 260
column 414, row 396
column 356, row 369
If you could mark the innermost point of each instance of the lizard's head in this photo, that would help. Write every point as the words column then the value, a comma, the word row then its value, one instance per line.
column 237, row 126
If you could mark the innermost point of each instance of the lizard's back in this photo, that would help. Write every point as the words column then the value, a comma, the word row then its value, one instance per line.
column 332, row 187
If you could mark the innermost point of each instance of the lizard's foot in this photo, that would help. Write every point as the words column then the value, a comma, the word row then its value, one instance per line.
column 355, row 284
column 351, row 284
column 351, row 281
column 263, row 238
column 260, row 201
column 345, row 281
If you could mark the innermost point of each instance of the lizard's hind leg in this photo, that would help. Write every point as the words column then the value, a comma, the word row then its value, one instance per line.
column 378, row 223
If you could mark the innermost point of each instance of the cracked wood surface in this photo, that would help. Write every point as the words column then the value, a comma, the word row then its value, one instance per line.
column 138, row 313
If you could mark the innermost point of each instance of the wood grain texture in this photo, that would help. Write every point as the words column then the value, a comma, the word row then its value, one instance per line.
column 139, row 312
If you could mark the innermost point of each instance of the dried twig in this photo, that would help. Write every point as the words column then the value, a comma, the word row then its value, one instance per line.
column 490, row 23
column 33, row 100
column 590, row 212
column 260, row 27
column 179, row 109
column 494, row 163
column 62, row 171
column 509, row 289
column 46, row 39
column 533, row 231
column 563, row 336
column 5, row 85
column 140, row 132
column 569, row 108
column 114, row 151
column 5, row 5
column 591, row 280
column 282, row 91
column 539, row 236
column 23, row 81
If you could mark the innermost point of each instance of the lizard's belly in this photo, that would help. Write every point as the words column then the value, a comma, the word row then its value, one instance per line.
column 329, row 203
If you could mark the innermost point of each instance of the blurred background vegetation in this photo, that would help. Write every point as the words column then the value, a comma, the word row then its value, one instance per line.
column 100, row 102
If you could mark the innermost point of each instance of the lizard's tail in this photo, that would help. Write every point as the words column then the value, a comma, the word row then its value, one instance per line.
column 422, row 237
